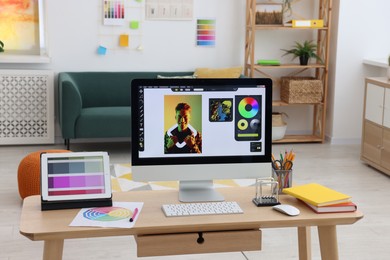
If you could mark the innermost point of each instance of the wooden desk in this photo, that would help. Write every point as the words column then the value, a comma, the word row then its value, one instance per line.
column 176, row 234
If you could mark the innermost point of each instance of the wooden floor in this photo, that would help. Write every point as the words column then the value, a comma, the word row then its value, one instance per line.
column 337, row 166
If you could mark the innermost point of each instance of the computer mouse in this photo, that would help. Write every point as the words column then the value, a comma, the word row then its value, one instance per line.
column 287, row 209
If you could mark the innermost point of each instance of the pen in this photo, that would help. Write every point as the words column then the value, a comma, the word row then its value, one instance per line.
column 134, row 215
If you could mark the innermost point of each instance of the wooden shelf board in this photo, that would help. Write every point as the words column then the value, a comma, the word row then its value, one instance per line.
column 288, row 66
column 280, row 103
column 281, row 27
column 299, row 139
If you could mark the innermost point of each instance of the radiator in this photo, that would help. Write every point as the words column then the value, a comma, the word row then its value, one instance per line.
column 26, row 107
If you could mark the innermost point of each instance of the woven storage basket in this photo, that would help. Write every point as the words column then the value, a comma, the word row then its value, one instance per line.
column 301, row 90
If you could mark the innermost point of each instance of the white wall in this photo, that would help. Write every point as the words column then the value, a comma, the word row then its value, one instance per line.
column 363, row 28
column 168, row 45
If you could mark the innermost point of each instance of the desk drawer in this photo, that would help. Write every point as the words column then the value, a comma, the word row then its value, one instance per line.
column 197, row 243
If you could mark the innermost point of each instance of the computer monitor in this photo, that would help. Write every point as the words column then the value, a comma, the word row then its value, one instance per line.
column 199, row 130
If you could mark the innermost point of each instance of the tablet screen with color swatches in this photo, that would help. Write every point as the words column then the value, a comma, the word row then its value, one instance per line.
column 75, row 175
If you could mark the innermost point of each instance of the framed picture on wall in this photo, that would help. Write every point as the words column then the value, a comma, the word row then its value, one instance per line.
column 169, row 9
column 269, row 14
column 22, row 27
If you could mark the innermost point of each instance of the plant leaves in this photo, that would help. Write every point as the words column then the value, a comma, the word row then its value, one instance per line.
column 307, row 48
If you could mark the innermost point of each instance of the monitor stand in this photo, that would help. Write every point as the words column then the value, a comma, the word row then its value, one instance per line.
column 198, row 191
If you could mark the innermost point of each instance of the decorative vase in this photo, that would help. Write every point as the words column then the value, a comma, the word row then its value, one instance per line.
column 279, row 126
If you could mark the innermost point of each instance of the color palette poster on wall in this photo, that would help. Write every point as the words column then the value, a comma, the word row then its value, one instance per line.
column 121, row 26
column 169, row 9
column 205, row 32
column 113, row 12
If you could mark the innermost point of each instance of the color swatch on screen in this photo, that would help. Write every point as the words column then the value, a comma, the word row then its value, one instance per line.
column 76, row 176
column 113, row 12
column 107, row 214
column 247, row 118
column 205, row 32
column 248, row 107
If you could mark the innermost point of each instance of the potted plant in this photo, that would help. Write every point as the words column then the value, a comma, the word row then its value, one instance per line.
column 1, row 46
column 304, row 51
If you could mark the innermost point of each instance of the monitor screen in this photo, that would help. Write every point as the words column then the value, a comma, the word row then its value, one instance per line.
column 201, row 129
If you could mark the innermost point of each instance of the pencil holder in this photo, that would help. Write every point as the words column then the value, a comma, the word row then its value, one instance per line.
column 283, row 177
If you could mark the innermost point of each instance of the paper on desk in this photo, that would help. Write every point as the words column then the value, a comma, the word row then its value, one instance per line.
column 116, row 216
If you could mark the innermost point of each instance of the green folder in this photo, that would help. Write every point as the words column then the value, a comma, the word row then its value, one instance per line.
column 269, row 62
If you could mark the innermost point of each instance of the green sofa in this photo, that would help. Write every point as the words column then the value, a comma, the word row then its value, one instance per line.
column 97, row 104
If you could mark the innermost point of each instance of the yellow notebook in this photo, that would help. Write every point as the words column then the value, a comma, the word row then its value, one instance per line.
column 317, row 194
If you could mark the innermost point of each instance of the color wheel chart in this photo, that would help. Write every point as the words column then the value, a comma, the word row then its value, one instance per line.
column 107, row 214
column 205, row 32
column 117, row 216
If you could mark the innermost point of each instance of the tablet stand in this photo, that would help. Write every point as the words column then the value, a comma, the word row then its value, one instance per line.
column 73, row 204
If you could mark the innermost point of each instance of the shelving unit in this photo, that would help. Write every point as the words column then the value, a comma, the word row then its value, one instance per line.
column 319, row 71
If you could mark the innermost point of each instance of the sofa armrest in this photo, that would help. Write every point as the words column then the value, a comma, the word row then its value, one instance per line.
column 70, row 105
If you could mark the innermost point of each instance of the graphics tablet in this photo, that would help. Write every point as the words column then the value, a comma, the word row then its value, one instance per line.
column 75, row 178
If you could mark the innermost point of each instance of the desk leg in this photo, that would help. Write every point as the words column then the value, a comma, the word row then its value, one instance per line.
column 52, row 249
column 328, row 242
column 304, row 243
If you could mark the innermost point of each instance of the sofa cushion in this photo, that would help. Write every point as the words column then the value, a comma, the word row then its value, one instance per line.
column 234, row 72
column 96, row 122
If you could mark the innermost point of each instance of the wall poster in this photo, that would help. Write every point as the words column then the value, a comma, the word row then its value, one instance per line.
column 205, row 32
column 169, row 9
column 113, row 12
column 21, row 26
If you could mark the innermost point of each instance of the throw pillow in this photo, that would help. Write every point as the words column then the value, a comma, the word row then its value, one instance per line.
column 233, row 72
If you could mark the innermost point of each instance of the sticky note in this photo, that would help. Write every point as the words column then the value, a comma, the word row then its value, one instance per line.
column 134, row 24
column 124, row 40
column 101, row 50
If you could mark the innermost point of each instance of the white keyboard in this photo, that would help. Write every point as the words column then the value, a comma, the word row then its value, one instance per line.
column 206, row 208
